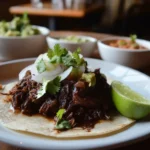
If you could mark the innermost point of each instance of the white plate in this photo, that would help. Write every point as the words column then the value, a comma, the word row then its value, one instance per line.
column 138, row 81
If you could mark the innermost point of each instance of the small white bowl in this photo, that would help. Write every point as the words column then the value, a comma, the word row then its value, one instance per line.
column 87, row 48
column 23, row 47
column 127, row 57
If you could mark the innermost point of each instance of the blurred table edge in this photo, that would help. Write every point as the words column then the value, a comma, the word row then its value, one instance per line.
column 47, row 10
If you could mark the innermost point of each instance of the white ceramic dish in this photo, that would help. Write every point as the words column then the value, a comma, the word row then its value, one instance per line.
column 87, row 48
column 23, row 47
column 131, row 58
column 140, row 130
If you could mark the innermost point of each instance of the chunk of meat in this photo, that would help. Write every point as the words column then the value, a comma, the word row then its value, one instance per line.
column 65, row 94
column 49, row 107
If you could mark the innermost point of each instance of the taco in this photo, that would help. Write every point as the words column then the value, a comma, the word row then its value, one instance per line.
column 59, row 96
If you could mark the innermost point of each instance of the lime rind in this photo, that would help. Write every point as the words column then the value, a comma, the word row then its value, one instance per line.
column 128, row 102
column 127, row 92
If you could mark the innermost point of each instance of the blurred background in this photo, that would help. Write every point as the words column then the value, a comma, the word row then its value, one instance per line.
column 120, row 17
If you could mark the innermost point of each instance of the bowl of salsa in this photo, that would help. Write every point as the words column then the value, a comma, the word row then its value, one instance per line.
column 128, row 51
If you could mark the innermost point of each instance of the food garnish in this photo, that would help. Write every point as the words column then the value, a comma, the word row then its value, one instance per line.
column 60, row 113
column 62, row 124
column 56, row 55
column 51, row 87
column 61, row 55
column 128, row 102
column 133, row 37
column 56, row 61
column 90, row 78
column 41, row 67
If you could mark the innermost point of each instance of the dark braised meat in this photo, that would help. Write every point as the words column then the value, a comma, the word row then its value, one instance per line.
column 65, row 94
column 90, row 104
column 49, row 106
column 24, row 98
column 84, row 105
column 24, row 94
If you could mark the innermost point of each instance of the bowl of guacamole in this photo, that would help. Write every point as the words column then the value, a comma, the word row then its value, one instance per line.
column 75, row 39
column 18, row 26
column 20, row 39
column 87, row 44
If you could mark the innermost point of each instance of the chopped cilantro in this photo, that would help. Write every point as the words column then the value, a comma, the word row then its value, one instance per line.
column 133, row 37
column 54, row 85
column 60, row 113
column 61, row 55
column 68, row 61
column 63, row 124
column 73, row 60
column 90, row 78
column 51, row 87
column 56, row 54
column 41, row 67
column 76, row 56
column 78, row 59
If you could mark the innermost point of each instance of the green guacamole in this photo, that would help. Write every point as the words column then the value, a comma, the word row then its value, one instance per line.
column 18, row 26
column 74, row 39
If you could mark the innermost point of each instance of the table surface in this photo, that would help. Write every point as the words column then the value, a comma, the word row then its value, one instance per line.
column 47, row 10
column 138, row 145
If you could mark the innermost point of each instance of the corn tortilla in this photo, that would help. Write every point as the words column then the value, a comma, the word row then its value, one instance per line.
column 39, row 124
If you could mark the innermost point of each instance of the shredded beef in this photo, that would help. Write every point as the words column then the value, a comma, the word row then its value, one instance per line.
column 24, row 94
column 84, row 105
column 49, row 107
column 65, row 94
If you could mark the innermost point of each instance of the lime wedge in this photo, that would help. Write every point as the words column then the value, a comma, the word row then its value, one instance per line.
column 128, row 102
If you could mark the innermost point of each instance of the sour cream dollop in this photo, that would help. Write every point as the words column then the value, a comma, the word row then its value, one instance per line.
column 52, row 70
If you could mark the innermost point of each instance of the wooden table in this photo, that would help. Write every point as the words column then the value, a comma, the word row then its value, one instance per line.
column 49, row 11
column 144, row 144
